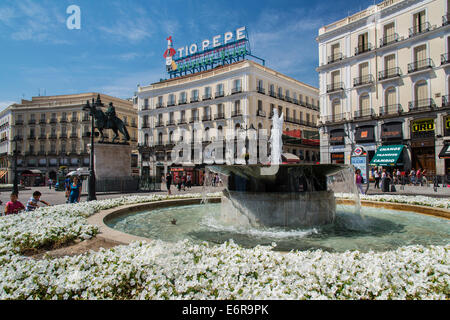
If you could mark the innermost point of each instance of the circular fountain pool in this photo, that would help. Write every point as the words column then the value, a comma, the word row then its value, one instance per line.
column 375, row 229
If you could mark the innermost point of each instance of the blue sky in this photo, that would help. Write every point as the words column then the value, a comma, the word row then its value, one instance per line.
column 121, row 43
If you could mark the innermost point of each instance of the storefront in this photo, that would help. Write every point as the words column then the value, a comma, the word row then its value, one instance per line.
column 423, row 150
column 392, row 134
column 388, row 155
column 196, row 173
column 337, row 145
column 365, row 136
column 338, row 157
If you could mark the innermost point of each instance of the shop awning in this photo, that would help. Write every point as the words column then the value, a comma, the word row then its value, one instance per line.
column 290, row 158
column 445, row 152
column 387, row 155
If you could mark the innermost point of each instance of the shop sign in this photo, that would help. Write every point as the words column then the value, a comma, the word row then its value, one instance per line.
column 199, row 57
column 391, row 131
column 365, row 134
column 337, row 156
column 425, row 125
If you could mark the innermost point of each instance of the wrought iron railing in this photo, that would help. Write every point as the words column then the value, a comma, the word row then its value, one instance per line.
column 261, row 113
column 206, row 117
column 388, row 39
column 338, row 117
column 363, row 113
column 389, row 73
column 445, row 101
column 420, row 65
column 445, row 19
column 219, row 115
column 236, row 90
column 419, row 28
column 363, row 80
column 421, row 105
column 335, row 87
column 207, row 96
column 261, row 90
column 444, row 58
column 391, row 109
column 363, row 48
column 194, row 99
column 159, row 105
column 219, row 94
column 236, row 113
column 335, row 57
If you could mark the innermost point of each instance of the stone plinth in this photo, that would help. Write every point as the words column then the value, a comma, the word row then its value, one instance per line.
column 291, row 210
column 112, row 161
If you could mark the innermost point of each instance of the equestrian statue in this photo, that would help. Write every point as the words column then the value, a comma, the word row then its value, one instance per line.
column 106, row 120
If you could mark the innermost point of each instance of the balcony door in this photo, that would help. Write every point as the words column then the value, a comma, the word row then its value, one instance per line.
column 363, row 40
column 336, row 110
column 363, row 69
column 390, row 97
column 389, row 31
column 364, row 104
column 335, row 50
column 389, row 62
column 421, row 94
column 419, row 21
column 335, row 78
column 420, row 53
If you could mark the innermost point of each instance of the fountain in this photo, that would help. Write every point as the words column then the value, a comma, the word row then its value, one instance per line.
column 287, row 196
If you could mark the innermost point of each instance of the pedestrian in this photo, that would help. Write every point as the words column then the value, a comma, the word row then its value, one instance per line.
column 359, row 181
column 50, row 182
column 168, row 183
column 75, row 191
column 183, row 182
column 412, row 177
column 419, row 176
column 399, row 174
column 424, row 176
column 14, row 206
column 189, row 181
column 376, row 175
column 32, row 204
column 178, row 181
column 67, row 188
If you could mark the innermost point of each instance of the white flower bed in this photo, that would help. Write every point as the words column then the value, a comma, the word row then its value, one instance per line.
column 415, row 200
column 185, row 270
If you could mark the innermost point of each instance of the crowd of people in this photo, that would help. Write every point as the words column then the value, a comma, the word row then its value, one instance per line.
column 184, row 181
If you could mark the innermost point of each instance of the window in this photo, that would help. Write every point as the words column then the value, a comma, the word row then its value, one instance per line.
column 364, row 103
column 389, row 62
column 194, row 95
column 335, row 52
column 287, row 94
column 237, row 84
column 419, row 22
column 145, row 103
column 336, row 110
column 219, row 89
column 171, row 101
column 363, row 44
column 146, row 139
column 260, row 85
column 74, row 116
column 390, row 97
column 389, row 33
column 207, row 93
column 160, row 138
column 182, row 97
column 272, row 90
column 363, row 69
column 63, row 148
column 260, row 105
column 420, row 53
column 421, row 90
column 335, row 77
column 237, row 106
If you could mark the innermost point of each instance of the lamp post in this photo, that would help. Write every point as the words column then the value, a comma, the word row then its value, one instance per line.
column 247, row 154
column 15, row 182
column 91, row 182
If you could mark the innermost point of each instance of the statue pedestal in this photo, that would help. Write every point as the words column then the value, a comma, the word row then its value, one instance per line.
column 112, row 165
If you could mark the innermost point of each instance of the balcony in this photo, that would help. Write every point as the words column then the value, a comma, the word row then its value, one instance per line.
column 364, row 113
column 19, row 123
column 63, row 120
column 182, row 121
column 31, row 121
column 337, row 86
column 31, row 137
column 420, row 28
column 170, row 103
column 206, row 117
column 41, row 153
column 219, row 94
column 335, row 57
column 145, row 125
column 74, row 136
column 159, row 124
column 389, row 73
column 261, row 113
column 295, row 101
column 170, row 123
column 444, row 58
column 159, row 105
column 446, row 101
column 236, row 113
column 421, row 105
column 280, row 96
column 236, row 90
column 42, row 121
column 182, row 101
column 261, row 90
column 272, row 94
column 194, row 99
column 392, row 109
column 445, row 19
column 74, row 120
column 53, row 136
column 42, row 137
column 194, row 119
column 420, row 65
column 207, row 96
column 387, row 40
column 366, row 47
column 133, row 125
column 288, row 99
column 53, row 120
column 63, row 135
column 363, row 80
column 219, row 116
column 338, row 117
column 86, row 119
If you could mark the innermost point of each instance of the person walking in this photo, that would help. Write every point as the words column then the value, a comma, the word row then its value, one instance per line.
column 168, row 183
column 14, row 206
column 399, row 174
column 359, row 181
column 419, row 176
column 75, row 191
column 178, row 182
column 50, row 182
column 183, row 181
column 376, row 175
column 412, row 177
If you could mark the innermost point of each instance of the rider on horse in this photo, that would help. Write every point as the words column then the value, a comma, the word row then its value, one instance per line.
column 111, row 115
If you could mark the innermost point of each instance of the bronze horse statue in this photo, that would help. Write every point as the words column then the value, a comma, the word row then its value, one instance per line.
column 107, row 120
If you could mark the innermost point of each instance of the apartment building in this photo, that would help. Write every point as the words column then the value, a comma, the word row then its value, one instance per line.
column 235, row 96
column 384, row 80
column 54, row 131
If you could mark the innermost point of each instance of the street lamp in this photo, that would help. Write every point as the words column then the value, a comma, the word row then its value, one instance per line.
column 15, row 182
column 91, row 182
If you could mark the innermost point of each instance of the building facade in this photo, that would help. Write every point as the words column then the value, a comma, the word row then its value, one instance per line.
column 235, row 96
column 54, row 131
column 384, row 80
